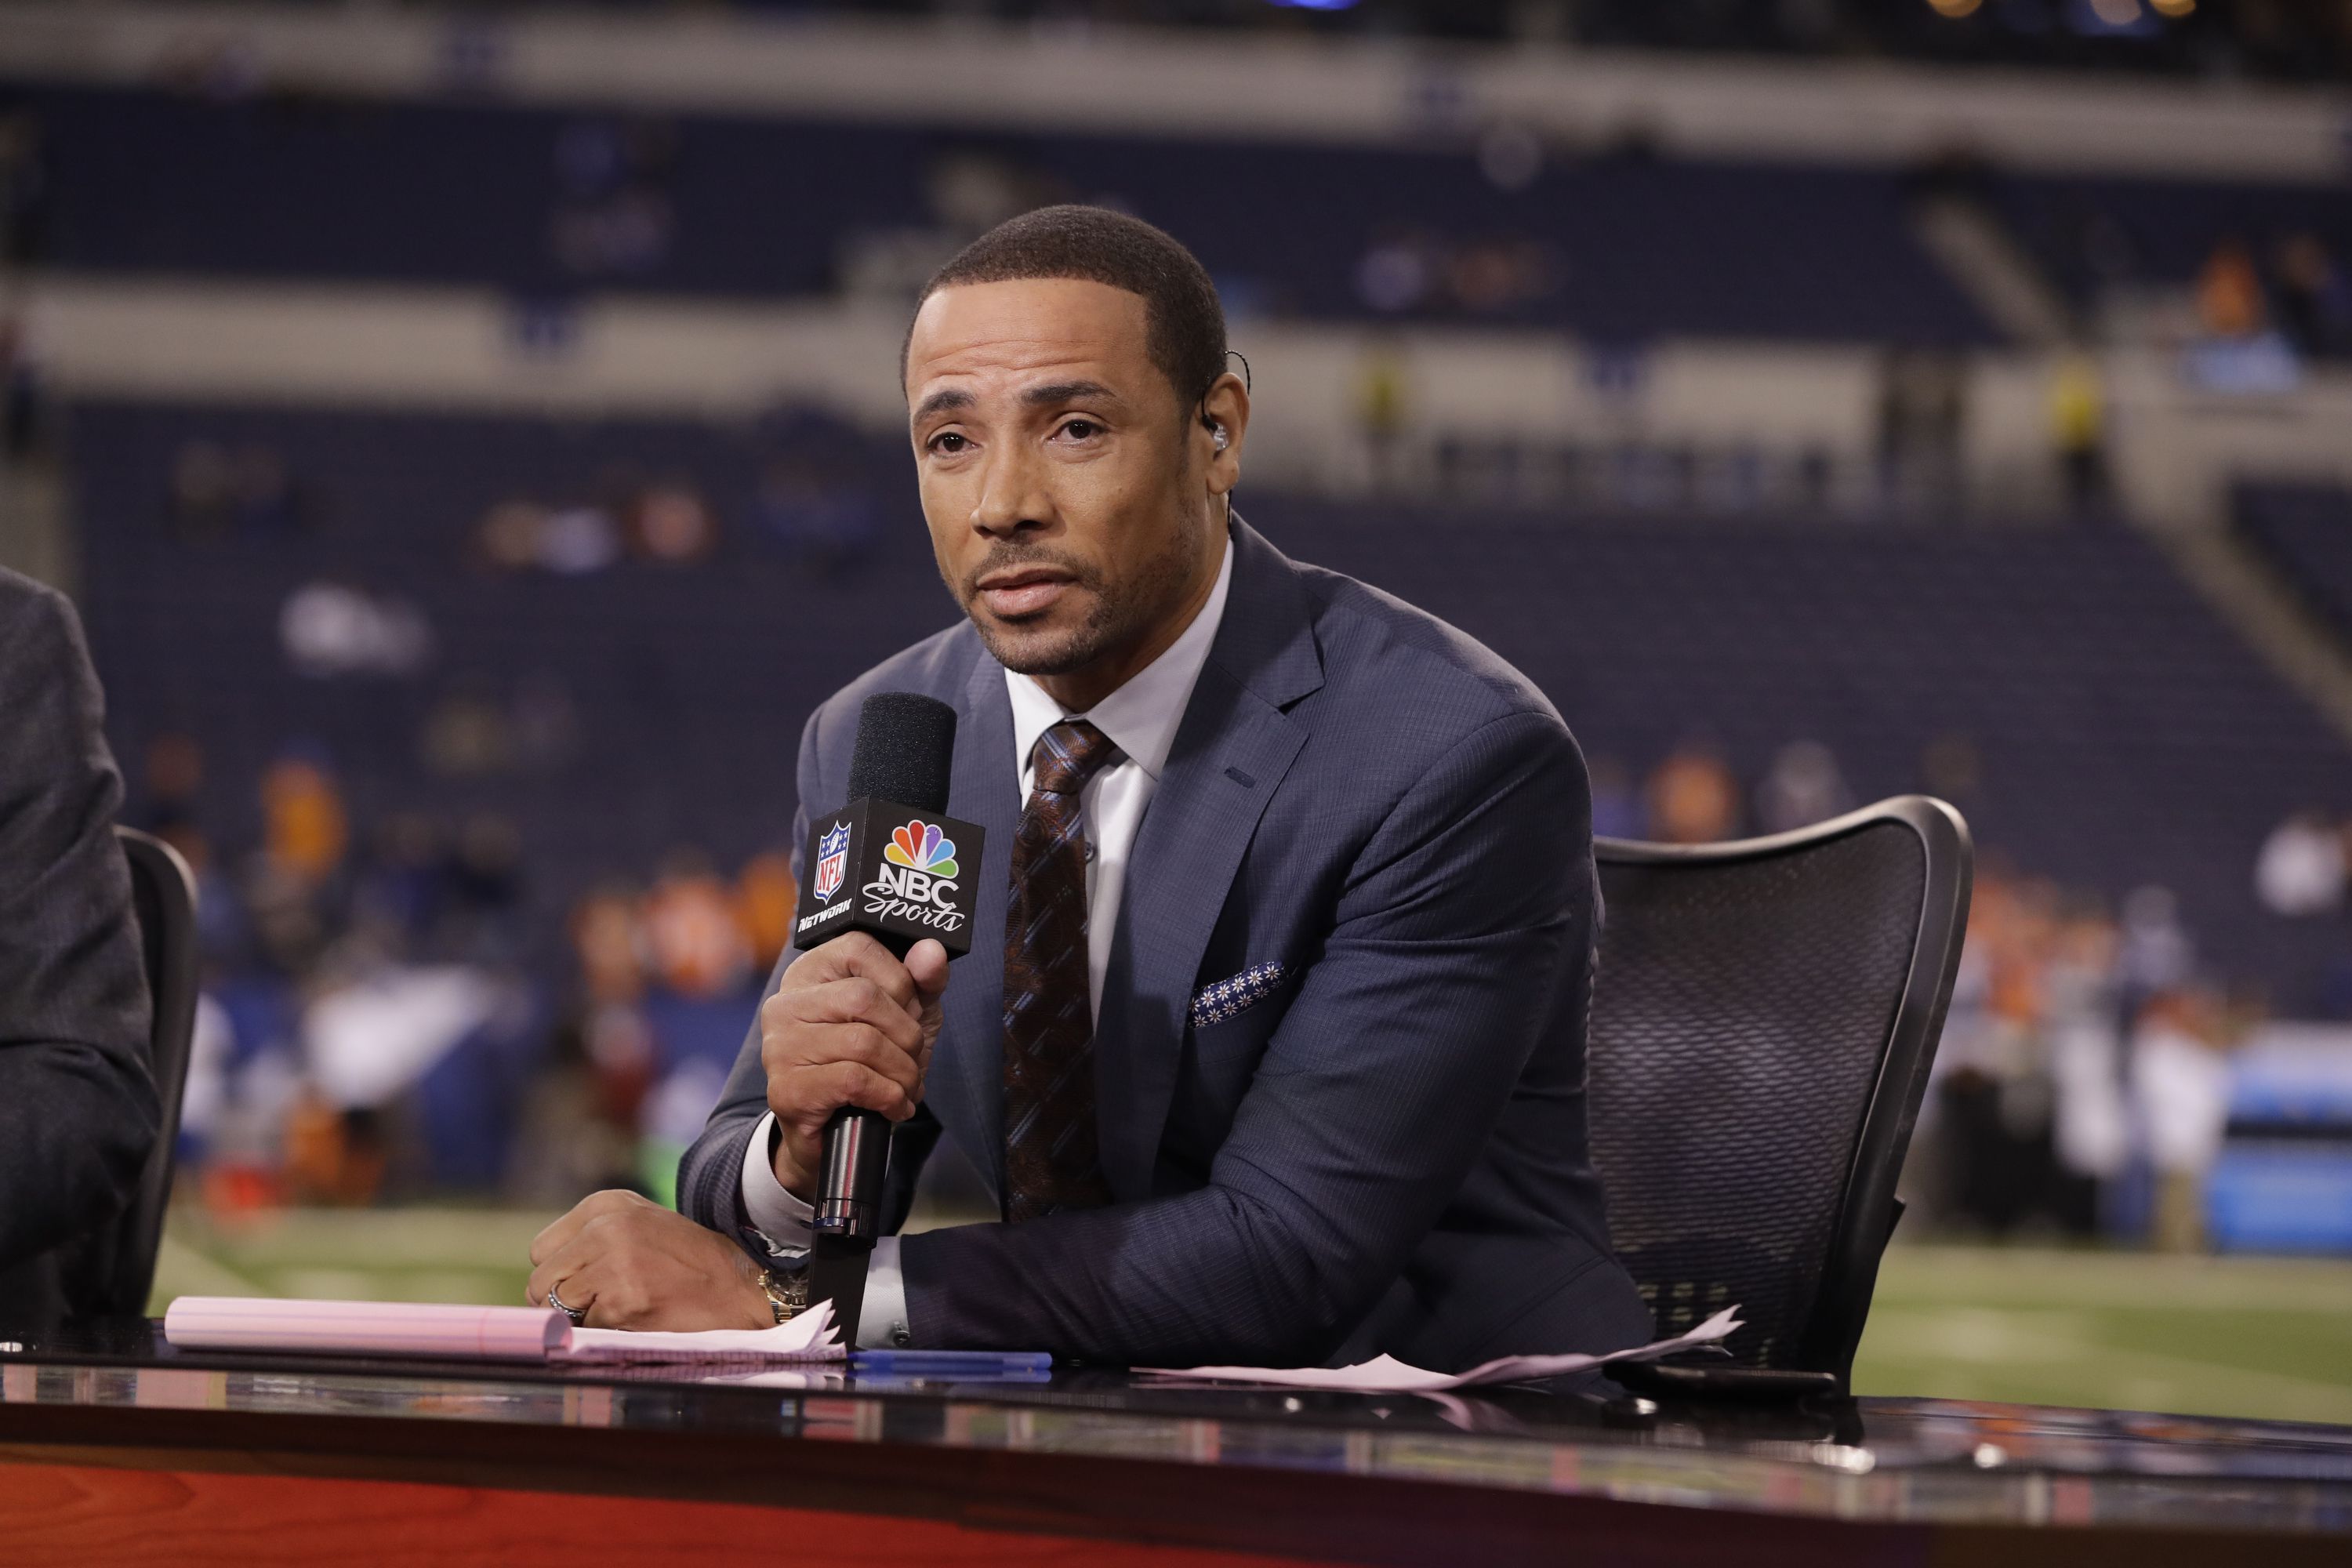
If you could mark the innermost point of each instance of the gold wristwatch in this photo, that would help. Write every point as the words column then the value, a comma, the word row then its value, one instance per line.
column 787, row 1292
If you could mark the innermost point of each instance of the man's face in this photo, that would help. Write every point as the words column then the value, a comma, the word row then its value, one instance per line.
column 1066, row 512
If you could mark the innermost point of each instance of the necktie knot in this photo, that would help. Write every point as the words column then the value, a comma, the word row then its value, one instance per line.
column 1069, row 754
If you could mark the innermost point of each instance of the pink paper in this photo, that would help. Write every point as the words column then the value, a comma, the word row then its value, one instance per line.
column 368, row 1327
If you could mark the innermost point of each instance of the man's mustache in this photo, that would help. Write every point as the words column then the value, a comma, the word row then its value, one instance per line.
column 1002, row 559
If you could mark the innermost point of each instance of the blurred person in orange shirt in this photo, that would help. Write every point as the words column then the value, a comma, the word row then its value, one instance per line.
column 303, row 827
column 2229, row 292
column 1693, row 797
column 698, row 947
column 767, row 894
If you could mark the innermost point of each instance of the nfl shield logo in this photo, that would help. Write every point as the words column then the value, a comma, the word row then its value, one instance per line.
column 831, row 857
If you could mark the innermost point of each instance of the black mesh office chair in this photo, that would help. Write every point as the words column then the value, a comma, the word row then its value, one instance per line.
column 1763, row 1018
column 115, row 1274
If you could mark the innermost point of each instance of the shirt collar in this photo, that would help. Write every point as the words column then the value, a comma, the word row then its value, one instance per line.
column 1139, row 718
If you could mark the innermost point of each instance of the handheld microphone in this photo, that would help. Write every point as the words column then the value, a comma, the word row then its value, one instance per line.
column 892, row 864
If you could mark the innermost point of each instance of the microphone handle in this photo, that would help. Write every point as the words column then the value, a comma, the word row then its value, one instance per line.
column 848, row 1217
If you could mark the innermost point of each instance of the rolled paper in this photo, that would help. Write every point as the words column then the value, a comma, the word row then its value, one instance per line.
column 367, row 1328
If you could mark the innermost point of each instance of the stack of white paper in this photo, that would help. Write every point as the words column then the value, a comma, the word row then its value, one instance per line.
column 1386, row 1375
column 809, row 1336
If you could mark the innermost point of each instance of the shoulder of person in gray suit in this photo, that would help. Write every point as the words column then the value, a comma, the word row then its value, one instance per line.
column 1339, row 1052
column 78, row 1113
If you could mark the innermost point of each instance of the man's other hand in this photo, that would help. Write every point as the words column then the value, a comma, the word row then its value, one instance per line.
column 629, row 1263
column 849, row 1025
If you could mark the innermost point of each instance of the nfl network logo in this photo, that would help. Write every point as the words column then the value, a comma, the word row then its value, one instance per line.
column 832, row 860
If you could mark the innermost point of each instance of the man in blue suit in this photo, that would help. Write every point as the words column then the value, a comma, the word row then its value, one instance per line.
column 1291, row 886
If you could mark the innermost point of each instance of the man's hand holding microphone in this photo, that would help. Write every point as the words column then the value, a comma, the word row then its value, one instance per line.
column 849, row 1025
column 845, row 1039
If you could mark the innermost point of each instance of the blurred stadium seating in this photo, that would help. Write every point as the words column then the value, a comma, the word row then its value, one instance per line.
column 1625, row 247
column 2306, row 533
column 2122, row 733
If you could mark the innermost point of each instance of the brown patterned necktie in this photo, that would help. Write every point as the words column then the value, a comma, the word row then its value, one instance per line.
column 1051, row 1161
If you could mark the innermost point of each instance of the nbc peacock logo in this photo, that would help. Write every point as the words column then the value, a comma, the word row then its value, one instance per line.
column 916, row 882
column 921, row 847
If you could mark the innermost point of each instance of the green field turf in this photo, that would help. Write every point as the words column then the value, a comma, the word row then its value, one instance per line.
column 2259, row 1337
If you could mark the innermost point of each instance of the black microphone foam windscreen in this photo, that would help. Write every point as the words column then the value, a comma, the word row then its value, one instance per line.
column 906, row 750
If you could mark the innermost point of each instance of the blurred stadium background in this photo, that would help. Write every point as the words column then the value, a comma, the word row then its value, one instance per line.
column 471, row 436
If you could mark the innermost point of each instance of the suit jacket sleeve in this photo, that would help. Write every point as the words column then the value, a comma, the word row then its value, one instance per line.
column 78, row 1113
column 710, row 1177
column 1464, row 911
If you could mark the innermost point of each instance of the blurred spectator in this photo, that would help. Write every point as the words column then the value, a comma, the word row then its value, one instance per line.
column 332, row 628
column 287, row 928
column 614, row 217
column 670, row 524
column 1921, row 419
column 577, row 1128
column 2301, row 868
column 334, row 1156
column 486, row 892
column 1397, row 272
column 2078, row 429
column 767, row 895
column 1802, row 786
column 467, row 734
column 575, row 539
column 402, row 892
column 304, row 832
column 2180, row 1088
column 2092, row 1129
column 2229, row 292
column 2314, row 296
column 1616, row 808
column 691, row 931
column 609, row 943
column 509, row 538
column 1693, row 798
column 2156, row 955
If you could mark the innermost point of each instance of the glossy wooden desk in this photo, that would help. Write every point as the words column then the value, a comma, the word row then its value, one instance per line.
column 114, row 1448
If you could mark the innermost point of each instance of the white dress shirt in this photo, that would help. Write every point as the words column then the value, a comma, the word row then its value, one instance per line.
column 1141, row 718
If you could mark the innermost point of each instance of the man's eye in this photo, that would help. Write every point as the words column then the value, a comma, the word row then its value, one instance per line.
column 1081, row 430
column 948, row 443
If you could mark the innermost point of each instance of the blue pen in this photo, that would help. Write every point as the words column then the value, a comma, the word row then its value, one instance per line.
column 982, row 1363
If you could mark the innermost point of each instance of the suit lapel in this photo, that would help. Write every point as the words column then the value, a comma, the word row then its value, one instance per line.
column 967, row 1079
column 1232, row 749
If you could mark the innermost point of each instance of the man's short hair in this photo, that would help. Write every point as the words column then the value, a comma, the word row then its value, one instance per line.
column 1184, row 324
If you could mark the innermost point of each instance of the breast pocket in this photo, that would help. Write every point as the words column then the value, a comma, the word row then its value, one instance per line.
column 1232, row 1018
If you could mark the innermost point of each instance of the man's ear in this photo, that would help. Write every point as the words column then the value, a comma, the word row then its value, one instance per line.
column 1223, row 427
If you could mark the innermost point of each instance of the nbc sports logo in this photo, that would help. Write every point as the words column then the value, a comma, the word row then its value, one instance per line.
column 919, row 847
column 833, row 860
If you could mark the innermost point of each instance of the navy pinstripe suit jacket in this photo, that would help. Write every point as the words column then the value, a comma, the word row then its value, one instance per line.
column 1387, row 1151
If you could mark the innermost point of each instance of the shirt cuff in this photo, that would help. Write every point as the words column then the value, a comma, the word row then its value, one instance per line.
column 882, row 1323
column 780, row 1219
column 780, row 1222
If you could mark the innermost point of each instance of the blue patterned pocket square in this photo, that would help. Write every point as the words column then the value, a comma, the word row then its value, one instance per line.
column 1231, row 998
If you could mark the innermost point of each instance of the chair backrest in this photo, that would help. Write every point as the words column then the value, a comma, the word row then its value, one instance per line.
column 1763, row 1018
column 120, row 1272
